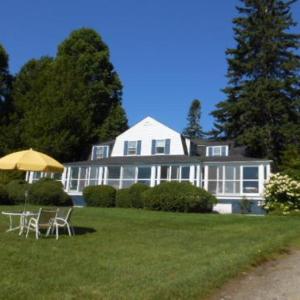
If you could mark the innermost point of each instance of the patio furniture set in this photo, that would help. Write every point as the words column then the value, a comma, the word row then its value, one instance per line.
column 50, row 220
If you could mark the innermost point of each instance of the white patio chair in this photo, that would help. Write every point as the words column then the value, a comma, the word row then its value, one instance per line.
column 44, row 220
column 63, row 220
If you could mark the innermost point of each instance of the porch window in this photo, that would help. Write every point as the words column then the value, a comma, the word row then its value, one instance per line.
column 250, row 180
column 185, row 173
column 113, row 176
column 83, row 173
column 144, row 175
column 94, row 176
column 128, row 178
column 74, row 174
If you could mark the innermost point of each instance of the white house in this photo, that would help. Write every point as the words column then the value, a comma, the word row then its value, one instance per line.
column 150, row 152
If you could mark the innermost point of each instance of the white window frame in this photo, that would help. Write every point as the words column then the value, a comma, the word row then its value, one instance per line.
column 217, row 148
column 104, row 147
column 165, row 143
column 253, row 180
column 134, row 147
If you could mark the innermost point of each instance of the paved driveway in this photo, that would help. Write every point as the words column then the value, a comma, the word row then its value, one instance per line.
column 274, row 280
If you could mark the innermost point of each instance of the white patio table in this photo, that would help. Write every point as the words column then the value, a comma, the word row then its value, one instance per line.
column 24, row 215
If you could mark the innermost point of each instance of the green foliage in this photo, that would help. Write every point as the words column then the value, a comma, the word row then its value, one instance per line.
column 261, row 109
column 48, row 192
column 5, row 101
column 131, row 197
column 123, row 198
column 7, row 176
column 194, row 129
column 290, row 162
column 4, row 200
column 282, row 194
column 16, row 190
column 61, row 104
column 101, row 195
column 180, row 197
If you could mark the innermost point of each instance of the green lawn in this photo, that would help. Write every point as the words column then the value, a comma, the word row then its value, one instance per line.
column 136, row 254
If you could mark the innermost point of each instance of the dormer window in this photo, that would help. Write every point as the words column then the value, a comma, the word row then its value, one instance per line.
column 100, row 152
column 217, row 151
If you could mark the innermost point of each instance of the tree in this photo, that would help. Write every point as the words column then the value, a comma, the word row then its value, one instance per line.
column 261, row 109
column 194, row 129
column 62, row 103
column 290, row 162
column 5, row 100
column 114, row 124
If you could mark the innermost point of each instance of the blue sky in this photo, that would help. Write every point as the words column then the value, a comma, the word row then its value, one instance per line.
column 167, row 52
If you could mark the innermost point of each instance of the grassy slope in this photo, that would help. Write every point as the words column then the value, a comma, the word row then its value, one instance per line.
column 135, row 254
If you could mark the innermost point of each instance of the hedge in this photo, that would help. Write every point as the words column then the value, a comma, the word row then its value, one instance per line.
column 100, row 195
column 179, row 197
column 48, row 192
column 16, row 190
column 131, row 197
column 4, row 200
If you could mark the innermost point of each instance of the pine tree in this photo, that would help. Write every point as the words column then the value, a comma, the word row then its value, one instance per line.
column 194, row 129
column 5, row 101
column 261, row 110
column 62, row 103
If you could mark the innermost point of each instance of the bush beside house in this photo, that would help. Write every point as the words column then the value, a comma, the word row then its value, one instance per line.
column 4, row 200
column 16, row 190
column 282, row 194
column 179, row 197
column 48, row 192
column 101, row 195
column 131, row 197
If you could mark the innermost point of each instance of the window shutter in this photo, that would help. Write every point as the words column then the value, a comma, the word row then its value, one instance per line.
column 139, row 146
column 167, row 149
column 153, row 147
column 126, row 148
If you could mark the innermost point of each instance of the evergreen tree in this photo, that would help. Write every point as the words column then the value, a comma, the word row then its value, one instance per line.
column 5, row 101
column 194, row 129
column 114, row 124
column 63, row 103
column 261, row 110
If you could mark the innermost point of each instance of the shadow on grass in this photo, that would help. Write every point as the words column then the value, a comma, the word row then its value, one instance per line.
column 83, row 230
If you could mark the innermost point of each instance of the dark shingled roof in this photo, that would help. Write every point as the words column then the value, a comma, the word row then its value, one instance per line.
column 160, row 159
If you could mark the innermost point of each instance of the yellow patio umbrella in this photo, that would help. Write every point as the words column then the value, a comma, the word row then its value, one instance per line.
column 30, row 160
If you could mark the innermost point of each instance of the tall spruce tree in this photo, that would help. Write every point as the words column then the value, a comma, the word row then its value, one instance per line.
column 62, row 103
column 194, row 129
column 5, row 101
column 261, row 110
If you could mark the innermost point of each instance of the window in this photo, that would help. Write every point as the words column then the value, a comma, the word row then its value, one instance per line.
column 164, row 173
column 128, row 178
column 224, row 179
column 185, row 173
column 144, row 175
column 250, row 180
column 100, row 152
column 113, row 176
column 132, row 148
column 94, row 176
column 217, row 151
column 160, row 146
column 74, row 178
column 83, row 172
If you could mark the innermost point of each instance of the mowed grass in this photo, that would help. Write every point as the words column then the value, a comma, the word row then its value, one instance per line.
column 137, row 254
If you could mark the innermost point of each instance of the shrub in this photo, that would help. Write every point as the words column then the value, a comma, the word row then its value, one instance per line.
column 123, row 198
column 16, row 190
column 100, row 195
column 181, row 197
column 4, row 195
column 48, row 192
column 282, row 194
column 7, row 176
column 131, row 197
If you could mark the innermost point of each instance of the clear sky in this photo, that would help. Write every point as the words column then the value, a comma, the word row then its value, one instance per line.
column 167, row 52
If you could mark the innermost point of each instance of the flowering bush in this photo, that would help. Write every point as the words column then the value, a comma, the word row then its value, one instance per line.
column 282, row 194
